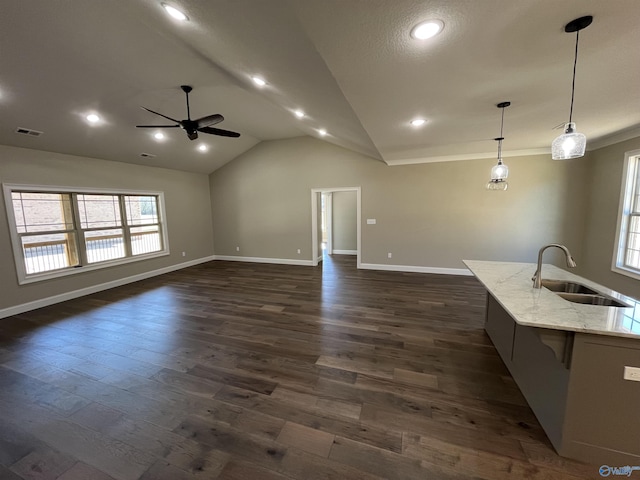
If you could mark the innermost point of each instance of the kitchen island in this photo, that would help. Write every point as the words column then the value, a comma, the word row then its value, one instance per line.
column 569, row 360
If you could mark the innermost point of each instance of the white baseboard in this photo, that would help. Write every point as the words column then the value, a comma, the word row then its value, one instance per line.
column 277, row 261
column 63, row 297
column 415, row 269
column 344, row 252
column 366, row 266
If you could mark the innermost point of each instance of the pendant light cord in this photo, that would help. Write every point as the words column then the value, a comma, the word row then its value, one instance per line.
column 573, row 82
column 500, row 138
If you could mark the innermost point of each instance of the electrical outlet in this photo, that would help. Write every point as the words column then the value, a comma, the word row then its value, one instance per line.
column 389, row 255
column 184, row 254
column 237, row 249
column 632, row 373
column 298, row 251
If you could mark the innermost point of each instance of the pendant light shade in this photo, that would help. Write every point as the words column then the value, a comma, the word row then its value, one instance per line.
column 500, row 171
column 571, row 144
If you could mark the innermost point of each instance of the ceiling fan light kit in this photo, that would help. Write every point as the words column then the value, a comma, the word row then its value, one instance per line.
column 499, row 172
column 192, row 127
column 571, row 144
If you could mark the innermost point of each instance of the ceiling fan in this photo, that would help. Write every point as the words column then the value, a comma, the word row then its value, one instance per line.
column 192, row 127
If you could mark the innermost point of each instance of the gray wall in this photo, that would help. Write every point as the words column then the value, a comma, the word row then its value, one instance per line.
column 344, row 226
column 431, row 215
column 187, row 203
column 605, row 185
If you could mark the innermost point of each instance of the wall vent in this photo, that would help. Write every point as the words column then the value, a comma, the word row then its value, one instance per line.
column 147, row 155
column 28, row 131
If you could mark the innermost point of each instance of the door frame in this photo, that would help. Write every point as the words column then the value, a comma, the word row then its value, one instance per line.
column 315, row 215
column 329, row 219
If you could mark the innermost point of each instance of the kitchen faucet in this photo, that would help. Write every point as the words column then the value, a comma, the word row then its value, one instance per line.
column 537, row 277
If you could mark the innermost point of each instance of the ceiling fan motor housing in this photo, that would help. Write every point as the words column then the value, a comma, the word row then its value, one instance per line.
column 192, row 127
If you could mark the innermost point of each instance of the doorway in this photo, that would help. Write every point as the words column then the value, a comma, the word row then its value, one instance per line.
column 322, row 220
column 326, row 223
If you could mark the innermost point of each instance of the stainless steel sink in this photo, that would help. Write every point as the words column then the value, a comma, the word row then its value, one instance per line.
column 559, row 286
column 591, row 299
column 579, row 293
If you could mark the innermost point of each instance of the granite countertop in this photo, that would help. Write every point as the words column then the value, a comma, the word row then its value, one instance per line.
column 511, row 285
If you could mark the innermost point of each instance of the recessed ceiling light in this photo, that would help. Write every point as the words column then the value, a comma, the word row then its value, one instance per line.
column 322, row 132
column 259, row 81
column 158, row 136
column 202, row 147
column 427, row 29
column 92, row 118
column 299, row 113
column 175, row 13
column 418, row 122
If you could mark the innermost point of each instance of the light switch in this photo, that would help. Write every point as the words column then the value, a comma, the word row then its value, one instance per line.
column 371, row 221
column 632, row 373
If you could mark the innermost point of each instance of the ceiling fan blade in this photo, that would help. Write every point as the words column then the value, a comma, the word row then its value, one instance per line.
column 219, row 131
column 157, row 126
column 164, row 116
column 209, row 120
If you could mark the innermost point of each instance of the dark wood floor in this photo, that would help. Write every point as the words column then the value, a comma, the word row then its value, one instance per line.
column 249, row 371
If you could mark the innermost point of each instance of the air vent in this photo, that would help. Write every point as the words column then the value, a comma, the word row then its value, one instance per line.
column 28, row 131
column 147, row 155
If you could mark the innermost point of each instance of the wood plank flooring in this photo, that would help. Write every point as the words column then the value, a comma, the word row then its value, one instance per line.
column 252, row 371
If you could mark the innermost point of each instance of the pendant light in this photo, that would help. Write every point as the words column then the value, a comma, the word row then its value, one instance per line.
column 500, row 171
column 571, row 144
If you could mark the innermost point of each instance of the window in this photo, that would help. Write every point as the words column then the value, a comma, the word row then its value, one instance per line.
column 627, row 255
column 58, row 232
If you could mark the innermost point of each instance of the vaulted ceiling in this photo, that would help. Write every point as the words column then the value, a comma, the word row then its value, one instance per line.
column 350, row 65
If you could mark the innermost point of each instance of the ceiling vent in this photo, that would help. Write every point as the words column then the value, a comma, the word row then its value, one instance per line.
column 147, row 155
column 28, row 131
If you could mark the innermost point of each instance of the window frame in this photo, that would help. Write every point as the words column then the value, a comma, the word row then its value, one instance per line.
column 84, row 266
column 628, row 190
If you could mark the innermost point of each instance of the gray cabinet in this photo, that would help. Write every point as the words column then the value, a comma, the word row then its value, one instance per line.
column 603, row 409
column 574, row 384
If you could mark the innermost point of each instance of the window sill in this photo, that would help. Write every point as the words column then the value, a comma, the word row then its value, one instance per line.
column 40, row 277
column 628, row 272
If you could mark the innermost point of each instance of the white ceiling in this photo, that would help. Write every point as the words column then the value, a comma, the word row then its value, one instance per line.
column 349, row 64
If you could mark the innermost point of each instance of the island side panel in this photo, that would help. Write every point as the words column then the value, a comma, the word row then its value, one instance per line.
column 603, row 416
column 501, row 329
column 543, row 379
column 541, row 376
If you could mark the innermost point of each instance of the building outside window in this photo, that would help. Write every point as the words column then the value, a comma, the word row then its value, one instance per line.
column 57, row 232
